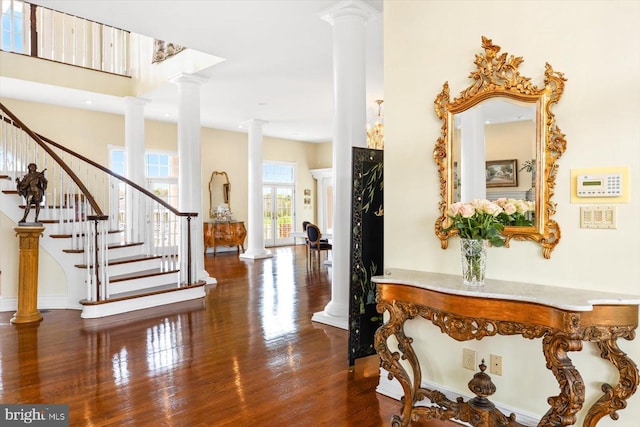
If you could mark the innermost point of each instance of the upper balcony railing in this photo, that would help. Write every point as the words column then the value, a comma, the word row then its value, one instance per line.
column 48, row 34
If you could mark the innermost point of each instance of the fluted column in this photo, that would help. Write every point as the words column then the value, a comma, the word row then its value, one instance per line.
column 255, row 235
column 189, row 163
column 28, row 275
column 134, row 164
column 348, row 19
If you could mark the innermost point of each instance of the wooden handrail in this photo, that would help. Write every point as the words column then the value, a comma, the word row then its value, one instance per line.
column 143, row 190
column 63, row 165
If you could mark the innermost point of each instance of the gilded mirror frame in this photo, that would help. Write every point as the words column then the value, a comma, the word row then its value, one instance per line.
column 497, row 75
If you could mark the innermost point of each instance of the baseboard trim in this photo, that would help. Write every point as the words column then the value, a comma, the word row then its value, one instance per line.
column 44, row 303
column 393, row 389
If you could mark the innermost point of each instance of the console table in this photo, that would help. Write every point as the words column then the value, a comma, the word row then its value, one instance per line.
column 562, row 317
column 224, row 233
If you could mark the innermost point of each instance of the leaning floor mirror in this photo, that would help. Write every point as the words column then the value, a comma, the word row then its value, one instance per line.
column 497, row 130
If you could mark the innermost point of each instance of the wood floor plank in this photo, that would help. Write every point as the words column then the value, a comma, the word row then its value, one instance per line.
column 245, row 355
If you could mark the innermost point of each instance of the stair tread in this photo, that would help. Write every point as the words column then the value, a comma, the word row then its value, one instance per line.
column 141, row 274
column 112, row 246
column 67, row 236
column 160, row 289
column 126, row 259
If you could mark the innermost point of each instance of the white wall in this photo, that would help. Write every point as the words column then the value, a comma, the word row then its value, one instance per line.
column 596, row 44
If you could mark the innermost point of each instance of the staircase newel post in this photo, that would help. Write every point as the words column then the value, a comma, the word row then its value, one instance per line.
column 95, row 256
column 28, row 275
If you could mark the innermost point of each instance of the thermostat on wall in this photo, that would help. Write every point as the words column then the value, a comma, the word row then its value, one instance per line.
column 601, row 185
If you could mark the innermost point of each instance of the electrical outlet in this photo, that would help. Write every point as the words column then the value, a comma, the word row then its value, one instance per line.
column 469, row 359
column 495, row 364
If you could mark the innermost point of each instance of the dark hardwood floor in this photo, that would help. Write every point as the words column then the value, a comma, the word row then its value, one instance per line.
column 246, row 355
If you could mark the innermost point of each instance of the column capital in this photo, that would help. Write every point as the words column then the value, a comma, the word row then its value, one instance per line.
column 135, row 100
column 350, row 8
column 188, row 78
column 255, row 122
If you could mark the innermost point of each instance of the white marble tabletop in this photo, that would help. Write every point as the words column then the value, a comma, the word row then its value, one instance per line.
column 552, row 296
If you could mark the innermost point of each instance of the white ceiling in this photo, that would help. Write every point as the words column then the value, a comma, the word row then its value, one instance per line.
column 278, row 59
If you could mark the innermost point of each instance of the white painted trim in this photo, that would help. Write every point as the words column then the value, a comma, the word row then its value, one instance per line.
column 393, row 389
column 256, row 254
column 8, row 303
column 328, row 319
column 124, row 306
column 44, row 303
column 324, row 178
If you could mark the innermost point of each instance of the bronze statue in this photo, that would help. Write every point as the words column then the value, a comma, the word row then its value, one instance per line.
column 32, row 188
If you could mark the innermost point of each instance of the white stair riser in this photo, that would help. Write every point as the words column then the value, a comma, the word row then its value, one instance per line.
column 125, row 251
column 142, row 283
column 116, row 307
column 131, row 267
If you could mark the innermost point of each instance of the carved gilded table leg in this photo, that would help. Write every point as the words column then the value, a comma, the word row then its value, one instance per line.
column 391, row 360
column 614, row 398
column 564, row 406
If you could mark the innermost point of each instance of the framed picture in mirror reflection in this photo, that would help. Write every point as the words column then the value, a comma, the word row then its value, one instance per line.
column 502, row 173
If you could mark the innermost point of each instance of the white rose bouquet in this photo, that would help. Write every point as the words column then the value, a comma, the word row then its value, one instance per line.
column 478, row 219
column 516, row 212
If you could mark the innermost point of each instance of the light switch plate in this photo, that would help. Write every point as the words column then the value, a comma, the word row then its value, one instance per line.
column 598, row 216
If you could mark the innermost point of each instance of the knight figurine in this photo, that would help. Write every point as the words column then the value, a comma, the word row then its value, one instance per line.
column 32, row 188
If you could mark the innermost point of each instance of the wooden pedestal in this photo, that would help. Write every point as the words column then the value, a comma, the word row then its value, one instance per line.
column 28, row 275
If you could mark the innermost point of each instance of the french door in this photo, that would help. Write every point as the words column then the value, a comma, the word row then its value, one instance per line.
column 278, row 207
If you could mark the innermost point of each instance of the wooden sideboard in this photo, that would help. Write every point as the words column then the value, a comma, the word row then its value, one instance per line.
column 562, row 317
column 224, row 233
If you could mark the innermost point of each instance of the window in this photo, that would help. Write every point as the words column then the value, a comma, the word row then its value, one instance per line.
column 117, row 161
column 161, row 172
column 12, row 25
column 278, row 173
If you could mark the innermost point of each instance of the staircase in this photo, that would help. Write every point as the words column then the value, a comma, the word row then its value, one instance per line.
column 121, row 247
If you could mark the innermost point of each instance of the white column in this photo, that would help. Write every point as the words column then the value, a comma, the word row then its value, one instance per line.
column 134, row 164
column 348, row 19
column 255, row 236
column 189, row 163
column 472, row 168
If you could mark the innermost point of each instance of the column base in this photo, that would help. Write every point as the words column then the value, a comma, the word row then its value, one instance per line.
column 331, row 320
column 249, row 254
column 18, row 318
column 204, row 275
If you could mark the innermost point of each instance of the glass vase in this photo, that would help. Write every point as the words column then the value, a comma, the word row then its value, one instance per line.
column 474, row 261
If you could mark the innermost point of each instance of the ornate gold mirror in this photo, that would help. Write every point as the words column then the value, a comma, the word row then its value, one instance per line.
column 499, row 139
column 219, row 194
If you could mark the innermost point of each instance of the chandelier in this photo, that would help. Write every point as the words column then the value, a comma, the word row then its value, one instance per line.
column 375, row 134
